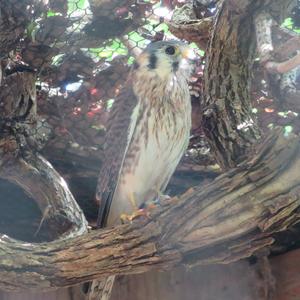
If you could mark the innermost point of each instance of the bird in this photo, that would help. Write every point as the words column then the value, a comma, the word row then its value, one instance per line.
column 147, row 134
column 148, row 131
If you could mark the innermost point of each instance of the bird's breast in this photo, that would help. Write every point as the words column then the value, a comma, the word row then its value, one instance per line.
column 158, row 142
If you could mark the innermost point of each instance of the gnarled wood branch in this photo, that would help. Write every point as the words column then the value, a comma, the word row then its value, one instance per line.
column 186, row 25
column 224, row 221
column 33, row 173
column 48, row 189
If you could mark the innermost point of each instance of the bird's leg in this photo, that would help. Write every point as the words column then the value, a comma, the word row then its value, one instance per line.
column 154, row 203
column 161, row 197
column 133, row 201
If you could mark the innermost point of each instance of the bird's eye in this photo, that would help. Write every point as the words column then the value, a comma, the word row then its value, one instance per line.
column 170, row 50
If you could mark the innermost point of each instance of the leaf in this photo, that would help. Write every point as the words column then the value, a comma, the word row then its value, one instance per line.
column 289, row 23
column 109, row 103
column 287, row 130
column 52, row 13
column 116, row 47
column 74, row 5
column 130, row 60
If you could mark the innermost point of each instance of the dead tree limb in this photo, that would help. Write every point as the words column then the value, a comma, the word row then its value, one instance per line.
column 229, row 219
column 47, row 188
column 30, row 171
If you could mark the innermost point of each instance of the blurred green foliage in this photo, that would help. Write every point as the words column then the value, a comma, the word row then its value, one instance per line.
column 289, row 23
column 74, row 5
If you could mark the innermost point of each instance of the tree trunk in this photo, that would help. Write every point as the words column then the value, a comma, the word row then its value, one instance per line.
column 227, row 117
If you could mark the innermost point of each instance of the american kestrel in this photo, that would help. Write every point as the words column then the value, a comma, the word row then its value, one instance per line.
column 148, row 130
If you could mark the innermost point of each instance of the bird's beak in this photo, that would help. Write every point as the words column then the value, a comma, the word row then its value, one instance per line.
column 188, row 53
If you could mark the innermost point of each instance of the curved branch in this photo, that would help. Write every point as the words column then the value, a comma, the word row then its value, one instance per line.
column 283, row 67
column 34, row 174
column 228, row 219
column 44, row 185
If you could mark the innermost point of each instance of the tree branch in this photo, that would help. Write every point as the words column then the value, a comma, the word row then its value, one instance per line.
column 48, row 189
column 283, row 67
column 288, row 48
column 228, row 219
column 185, row 25
column 34, row 174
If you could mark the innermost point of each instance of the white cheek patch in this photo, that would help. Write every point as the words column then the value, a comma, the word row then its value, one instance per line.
column 163, row 68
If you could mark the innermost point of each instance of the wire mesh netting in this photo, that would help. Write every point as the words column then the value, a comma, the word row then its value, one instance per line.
column 94, row 44
column 80, row 53
column 77, row 55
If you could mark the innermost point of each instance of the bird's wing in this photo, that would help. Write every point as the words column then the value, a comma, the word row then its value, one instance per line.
column 119, row 133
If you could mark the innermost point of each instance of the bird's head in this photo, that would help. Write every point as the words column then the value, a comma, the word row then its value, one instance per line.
column 165, row 58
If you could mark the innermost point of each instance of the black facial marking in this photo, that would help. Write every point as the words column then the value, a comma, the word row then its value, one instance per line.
column 175, row 66
column 135, row 65
column 152, row 61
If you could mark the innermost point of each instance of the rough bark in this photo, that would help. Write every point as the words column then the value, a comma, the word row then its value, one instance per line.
column 61, row 214
column 227, row 118
column 20, row 134
column 229, row 219
column 228, row 121
column 186, row 25
column 14, row 17
column 235, row 281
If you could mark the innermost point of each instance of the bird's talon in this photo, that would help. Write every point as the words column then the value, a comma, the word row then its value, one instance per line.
column 125, row 218
column 152, row 205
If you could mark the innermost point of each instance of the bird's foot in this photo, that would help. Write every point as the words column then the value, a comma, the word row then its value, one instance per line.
column 145, row 209
column 137, row 212
column 133, row 201
column 125, row 218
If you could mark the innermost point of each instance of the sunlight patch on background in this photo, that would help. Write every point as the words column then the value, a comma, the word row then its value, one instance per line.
column 74, row 86
column 162, row 12
column 245, row 125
